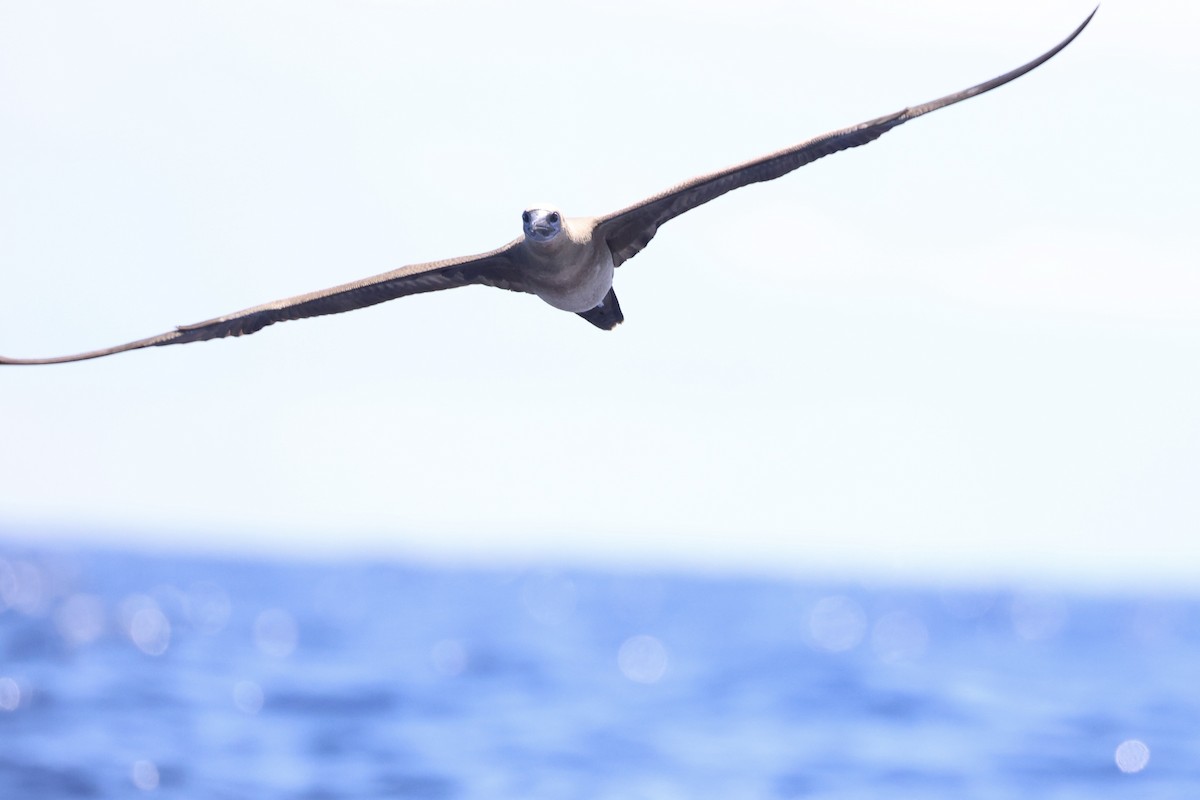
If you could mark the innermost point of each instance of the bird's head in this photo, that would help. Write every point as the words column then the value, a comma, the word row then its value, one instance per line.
column 542, row 224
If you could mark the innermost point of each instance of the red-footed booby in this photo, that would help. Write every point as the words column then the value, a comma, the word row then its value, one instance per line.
column 568, row 262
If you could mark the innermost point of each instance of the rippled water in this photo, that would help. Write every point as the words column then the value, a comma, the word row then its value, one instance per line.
column 124, row 675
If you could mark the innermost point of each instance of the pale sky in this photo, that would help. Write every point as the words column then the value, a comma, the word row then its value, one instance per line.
column 968, row 350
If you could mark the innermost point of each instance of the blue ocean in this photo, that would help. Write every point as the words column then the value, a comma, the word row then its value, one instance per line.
column 126, row 675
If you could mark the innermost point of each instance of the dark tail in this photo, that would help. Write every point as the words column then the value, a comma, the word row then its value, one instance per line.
column 607, row 315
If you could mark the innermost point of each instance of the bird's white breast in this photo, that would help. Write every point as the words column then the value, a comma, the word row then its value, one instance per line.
column 591, row 278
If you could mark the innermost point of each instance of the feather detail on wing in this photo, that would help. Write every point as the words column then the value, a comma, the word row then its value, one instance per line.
column 496, row 268
column 629, row 230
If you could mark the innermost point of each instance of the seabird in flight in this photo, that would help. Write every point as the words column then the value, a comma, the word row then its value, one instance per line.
column 566, row 261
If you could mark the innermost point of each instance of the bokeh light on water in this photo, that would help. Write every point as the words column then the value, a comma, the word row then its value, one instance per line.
column 642, row 659
column 144, row 775
column 276, row 633
column 837, row 623
column 365, row 681
column 22, row 587
column 1132, row 756
column 145, row 624
column 10, row 694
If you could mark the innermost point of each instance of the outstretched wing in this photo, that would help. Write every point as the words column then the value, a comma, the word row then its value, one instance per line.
column 629, row 230
column 496, row 268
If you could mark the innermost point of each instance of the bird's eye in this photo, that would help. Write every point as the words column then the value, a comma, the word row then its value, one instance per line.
column 526, row 217
column 553, row 218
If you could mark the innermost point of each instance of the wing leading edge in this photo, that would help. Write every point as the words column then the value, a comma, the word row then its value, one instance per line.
column 629, row 230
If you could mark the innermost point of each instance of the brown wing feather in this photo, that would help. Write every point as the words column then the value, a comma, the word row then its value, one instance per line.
column 629, row 230
column 496, row 268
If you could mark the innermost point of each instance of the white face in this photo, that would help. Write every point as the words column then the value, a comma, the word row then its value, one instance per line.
column 541, row 224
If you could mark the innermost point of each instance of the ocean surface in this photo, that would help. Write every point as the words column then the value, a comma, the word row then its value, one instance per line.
column 129, row 676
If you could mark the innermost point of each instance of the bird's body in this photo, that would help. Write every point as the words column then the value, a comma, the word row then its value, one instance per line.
column 571, row 271
column 568, row 262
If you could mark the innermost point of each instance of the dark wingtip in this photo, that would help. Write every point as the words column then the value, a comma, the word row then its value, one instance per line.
column 26, row 362
column 153, row 341
column 987, row 86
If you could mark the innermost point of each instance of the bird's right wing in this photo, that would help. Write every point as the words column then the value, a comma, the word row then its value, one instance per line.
column 496, row 268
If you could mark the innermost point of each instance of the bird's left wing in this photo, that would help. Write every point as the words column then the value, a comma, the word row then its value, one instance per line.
column 496, row 268
column 629, row 230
